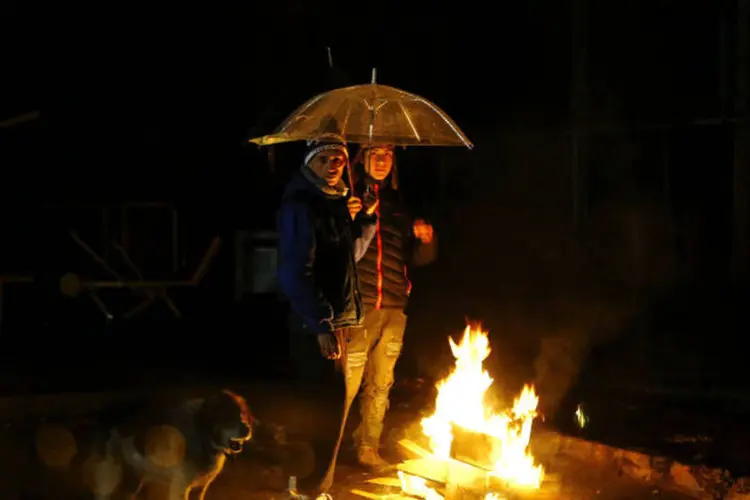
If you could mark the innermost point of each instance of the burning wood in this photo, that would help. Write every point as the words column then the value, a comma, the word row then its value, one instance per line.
column 414, row 448
column 430, row 469
column 474, row 448
column 466, row 482
column 460, row 404
column 475, row 453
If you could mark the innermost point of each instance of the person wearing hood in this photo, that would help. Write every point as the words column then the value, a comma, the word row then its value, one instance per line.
column 374, row 348
column 319, row 245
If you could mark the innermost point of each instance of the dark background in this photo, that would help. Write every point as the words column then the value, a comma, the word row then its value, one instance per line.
column 592, row 223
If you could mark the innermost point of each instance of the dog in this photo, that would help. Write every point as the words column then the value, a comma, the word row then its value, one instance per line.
column 180, row 450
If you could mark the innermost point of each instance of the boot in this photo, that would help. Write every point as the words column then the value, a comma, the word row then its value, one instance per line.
column 295, row 492
column 368, row 457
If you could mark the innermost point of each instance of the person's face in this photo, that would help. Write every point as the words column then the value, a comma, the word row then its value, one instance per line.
column 379, row 163
column 329, row 166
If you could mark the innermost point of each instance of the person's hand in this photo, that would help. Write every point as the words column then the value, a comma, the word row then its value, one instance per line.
column 371, row 209
column 370, row 200
column 423, row 231
column 329, row 344
column 354, row 205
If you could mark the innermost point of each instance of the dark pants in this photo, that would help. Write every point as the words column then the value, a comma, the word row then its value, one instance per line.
column 371, row 355
column 312, row 368
column 309, row 365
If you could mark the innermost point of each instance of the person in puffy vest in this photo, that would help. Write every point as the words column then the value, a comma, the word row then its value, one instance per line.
column 373, row 349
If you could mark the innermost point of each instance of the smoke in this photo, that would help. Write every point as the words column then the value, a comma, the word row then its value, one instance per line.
column 627, row 260
column 547, row 291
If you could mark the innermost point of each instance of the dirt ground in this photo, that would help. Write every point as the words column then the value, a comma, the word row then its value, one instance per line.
column 262, row 472
column 577, row 481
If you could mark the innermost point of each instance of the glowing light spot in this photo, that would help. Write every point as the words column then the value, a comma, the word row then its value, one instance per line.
column 165, row 446
column 101, row 475
column 55, row 445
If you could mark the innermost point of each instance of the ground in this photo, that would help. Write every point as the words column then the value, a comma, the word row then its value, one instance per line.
column 304, row 418
column 577, row 482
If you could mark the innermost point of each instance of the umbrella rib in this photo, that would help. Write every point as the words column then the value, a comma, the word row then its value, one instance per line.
column 302, row 125
column 370, row 107
column 446, row 120
column 302, row 109
column 408, row 119
column 346, row 119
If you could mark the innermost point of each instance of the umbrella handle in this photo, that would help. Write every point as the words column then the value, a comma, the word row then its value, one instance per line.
column 351, row 179
column 356, row 160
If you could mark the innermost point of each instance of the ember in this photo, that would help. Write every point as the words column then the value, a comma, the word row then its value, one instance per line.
column 475, row 452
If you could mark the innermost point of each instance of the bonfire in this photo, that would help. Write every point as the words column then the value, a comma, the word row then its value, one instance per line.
column 475, row 451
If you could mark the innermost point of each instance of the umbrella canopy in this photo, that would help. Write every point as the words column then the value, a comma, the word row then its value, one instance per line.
column 370, row 114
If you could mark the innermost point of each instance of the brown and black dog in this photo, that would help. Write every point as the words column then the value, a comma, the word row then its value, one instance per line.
column 178, row 450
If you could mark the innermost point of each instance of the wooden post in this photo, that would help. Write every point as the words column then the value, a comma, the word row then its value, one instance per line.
column 741, row 181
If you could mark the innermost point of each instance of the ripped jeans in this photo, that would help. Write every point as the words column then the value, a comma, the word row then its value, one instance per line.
column 371, row 354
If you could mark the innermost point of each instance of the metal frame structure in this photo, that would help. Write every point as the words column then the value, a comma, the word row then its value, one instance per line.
column 150, row 290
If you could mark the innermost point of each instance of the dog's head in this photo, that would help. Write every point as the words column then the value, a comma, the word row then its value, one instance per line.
column 229, row 420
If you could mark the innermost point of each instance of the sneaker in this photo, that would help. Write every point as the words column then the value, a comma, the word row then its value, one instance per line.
column 295, row 493
column 368, row 457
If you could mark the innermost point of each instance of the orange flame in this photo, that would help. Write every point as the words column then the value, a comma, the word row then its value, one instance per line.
column 461, row 401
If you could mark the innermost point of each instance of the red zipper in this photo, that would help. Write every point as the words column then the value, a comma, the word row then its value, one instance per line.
column 408, row 282
column 379, row 301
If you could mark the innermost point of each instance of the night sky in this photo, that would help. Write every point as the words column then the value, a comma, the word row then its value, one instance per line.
column 154, row 101
column 180, row 81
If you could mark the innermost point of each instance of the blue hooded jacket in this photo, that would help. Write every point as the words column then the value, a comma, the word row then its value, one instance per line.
column 319, row 246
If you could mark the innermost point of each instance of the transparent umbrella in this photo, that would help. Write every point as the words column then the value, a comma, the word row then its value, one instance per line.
column 370, row 114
